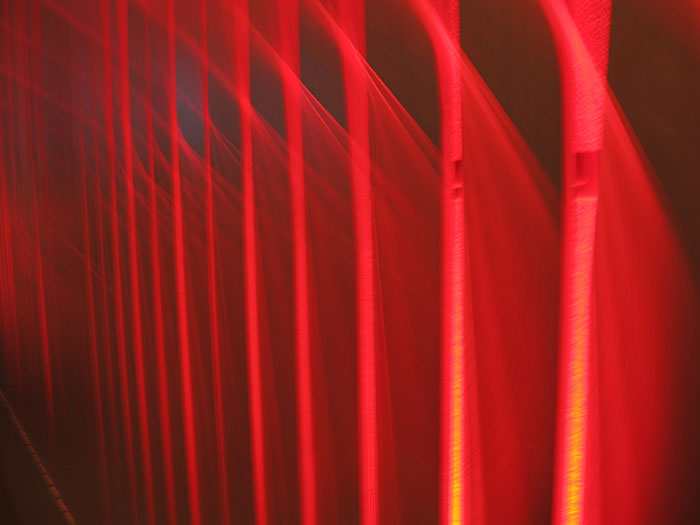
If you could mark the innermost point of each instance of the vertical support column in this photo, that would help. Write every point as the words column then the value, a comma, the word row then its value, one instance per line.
column 352, row 19
column 116, row 264
column 181, row 284
column 137, row 331
column 159, row 331
column 250, row 264
column 582, row 38
column 221, row 463
column 291, row 85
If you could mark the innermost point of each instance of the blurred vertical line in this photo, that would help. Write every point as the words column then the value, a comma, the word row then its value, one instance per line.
column 92, row 331
column 106, row 335
column 352, row 18
column 222, row 464
column 161, row 362
column 581, row 35
column 11, row 180
column 8, row 170
column 180, row 283
column 242, row 49
column 142, row 406
column 31, row 72
column 291, row 84
column 116, row 262
column 456, row 319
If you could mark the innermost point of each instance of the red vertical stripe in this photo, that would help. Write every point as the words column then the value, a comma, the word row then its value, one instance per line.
column 242, row 46
column 159, row 331
column 32, row 78
column 211, row 267
column 180, row 285
column 289, row 36
column 142, row 406
column 116, row 268
column 92, row 330
column 582, row 44
column 352, row 13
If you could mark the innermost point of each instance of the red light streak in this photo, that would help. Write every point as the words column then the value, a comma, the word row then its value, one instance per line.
column 137, row 341
column 289, row 36
column 250, row 264
column 352, row 17
column 180, row 285
column 116, row 266
column 211, row 267
column 92, row 330
column 10, row 296
column 368, row 410
column 581, row 35
column 32, row 73
column 162, row 378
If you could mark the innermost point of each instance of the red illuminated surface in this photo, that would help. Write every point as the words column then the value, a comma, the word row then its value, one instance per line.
column 290, row 261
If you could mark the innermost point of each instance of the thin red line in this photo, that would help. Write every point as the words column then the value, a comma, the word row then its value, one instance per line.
column 7, row 300
column 10, row 278
column 43, row 322
column 289, row 29
column 181, row 291
column 92, row 329
column 211, row 265
column 355, row 84
column 242, row 40
column 116, row 269
column 106, row 336
column 163, row 400
column 142, row 406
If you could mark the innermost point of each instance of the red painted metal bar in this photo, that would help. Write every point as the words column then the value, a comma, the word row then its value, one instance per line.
column 159, row 331
column 92, row 332
column 352, row 19
column 250, row 263
column 180, row 285
column 221, row 463
column 581, row 34
column 137, row 331
column 291, row 85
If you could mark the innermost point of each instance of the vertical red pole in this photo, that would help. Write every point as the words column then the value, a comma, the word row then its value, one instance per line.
column 116, row 266
column 32, row 78
column 7, row 298
column 159, row 331
column 211, row 266
column 250, row 265
column 289, row 36
column 180, row 285
column 457, row 475
column 583, row 52
column 92, row 331
column 10, row 294
column 105, row 340
column 142, row 406
column 352, row 18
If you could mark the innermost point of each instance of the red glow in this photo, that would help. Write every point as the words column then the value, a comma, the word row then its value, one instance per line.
column 291, row 261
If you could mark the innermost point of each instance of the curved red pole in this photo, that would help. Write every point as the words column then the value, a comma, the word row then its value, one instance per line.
column 581, row 35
